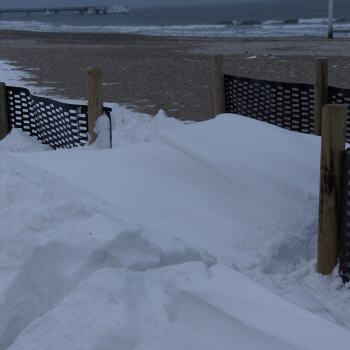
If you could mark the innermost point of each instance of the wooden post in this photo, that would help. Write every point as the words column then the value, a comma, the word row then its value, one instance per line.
column 218, row 87
column 95, row 103
column 331, row 176
column 330, row 19
column 321, row 92
column 4, row 116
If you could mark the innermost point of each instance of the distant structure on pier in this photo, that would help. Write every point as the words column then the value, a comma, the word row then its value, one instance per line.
column 91, row 10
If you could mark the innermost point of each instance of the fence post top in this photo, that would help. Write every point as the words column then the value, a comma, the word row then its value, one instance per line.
column 340, row 107
column 94, row 71
column 218, row 59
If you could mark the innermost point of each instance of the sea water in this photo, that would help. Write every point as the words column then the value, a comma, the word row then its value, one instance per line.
column 246, row 18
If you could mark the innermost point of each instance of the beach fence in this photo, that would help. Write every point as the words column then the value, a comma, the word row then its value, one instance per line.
column 51, row 122
column 312, row 109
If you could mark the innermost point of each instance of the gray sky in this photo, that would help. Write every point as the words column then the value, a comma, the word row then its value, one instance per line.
column 44, row 3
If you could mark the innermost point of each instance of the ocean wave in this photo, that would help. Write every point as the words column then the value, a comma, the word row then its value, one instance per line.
column 251, row 22
column 278, row 22
column 164, row 29
column 313, row 21
column 267, row 28
column 342, row 20
column 273, row 22
column 226, row 22
column 304, row 21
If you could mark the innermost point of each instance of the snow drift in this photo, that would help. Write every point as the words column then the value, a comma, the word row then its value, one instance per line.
column 155, row 244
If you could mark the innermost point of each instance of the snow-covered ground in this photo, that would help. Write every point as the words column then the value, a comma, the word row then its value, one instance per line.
column 191, row 236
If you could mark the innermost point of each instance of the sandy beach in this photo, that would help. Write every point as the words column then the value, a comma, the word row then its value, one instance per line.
column 148, row 73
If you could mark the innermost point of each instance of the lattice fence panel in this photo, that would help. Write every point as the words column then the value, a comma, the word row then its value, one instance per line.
column 57, row 124
column 290, row 106
column 341, row 96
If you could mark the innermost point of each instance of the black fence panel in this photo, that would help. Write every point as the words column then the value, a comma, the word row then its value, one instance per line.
column 291, row 106
column 341, row 96
column 344, row 244
column 54, row 123
column 288, row 105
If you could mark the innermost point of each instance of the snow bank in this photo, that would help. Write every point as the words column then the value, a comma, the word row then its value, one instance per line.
column 18, row 141
column 212, row 177
column 131, row 128
column 154, row 244
column 172, row 307
column 13, row 76
column 102, row 129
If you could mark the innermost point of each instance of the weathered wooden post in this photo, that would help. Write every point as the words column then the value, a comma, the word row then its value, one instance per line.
column 331, row 176
column 4, row 116
column 218, row 87
column 321, row 92
column 95, row 103
column 330, row 19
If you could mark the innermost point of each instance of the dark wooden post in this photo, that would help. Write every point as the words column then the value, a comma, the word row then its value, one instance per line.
column 218, row 87
column 332, row 153
column 321, row 92
column 4, row 116
column 95, row 103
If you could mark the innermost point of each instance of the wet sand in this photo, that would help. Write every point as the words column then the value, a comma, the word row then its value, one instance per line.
column 171, row 73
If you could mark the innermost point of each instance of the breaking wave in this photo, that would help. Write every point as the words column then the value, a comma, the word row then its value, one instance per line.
column 302, row 21
column 248, row 28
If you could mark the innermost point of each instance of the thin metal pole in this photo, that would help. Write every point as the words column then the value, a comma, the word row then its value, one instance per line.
column 330, row 19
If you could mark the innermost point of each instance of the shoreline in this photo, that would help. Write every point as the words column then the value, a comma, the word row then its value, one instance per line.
column 169, row 37
column 148, row 73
